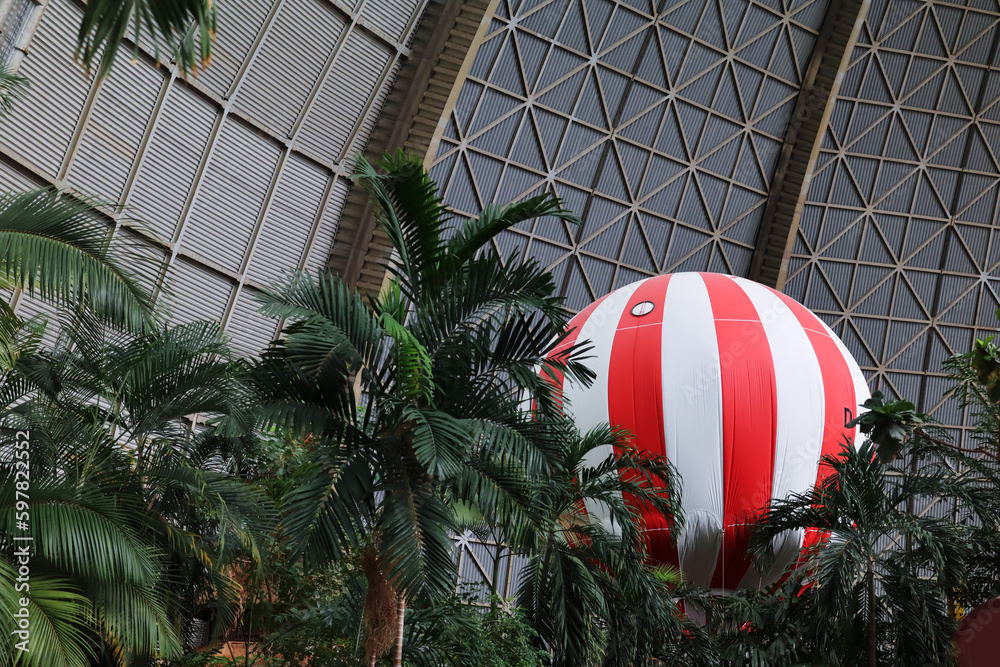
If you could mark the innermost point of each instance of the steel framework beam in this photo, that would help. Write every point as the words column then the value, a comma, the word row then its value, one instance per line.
column 793, row 174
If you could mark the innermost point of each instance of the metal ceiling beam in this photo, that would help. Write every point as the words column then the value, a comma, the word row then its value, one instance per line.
column 803, row 138
column 424, row 93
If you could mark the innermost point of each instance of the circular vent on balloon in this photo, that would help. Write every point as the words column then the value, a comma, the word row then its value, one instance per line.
column 644, row 308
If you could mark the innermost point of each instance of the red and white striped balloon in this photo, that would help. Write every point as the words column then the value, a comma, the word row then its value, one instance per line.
column 741, row 387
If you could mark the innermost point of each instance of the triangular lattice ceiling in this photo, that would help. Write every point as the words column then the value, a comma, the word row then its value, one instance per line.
column 660, row 125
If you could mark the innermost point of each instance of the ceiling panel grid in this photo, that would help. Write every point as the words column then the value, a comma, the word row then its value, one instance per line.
column 897, row 246
column 659, row 124
column 42, row 125
column 248, row 156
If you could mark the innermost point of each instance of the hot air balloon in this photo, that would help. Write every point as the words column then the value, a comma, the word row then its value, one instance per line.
column 742, row 388
column 977, row 637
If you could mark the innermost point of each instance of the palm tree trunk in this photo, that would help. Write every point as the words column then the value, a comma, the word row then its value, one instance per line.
column 872, row 624
column 495, row 584
column 397, row 658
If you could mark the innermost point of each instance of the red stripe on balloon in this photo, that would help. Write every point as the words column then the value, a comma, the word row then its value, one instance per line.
column 838, row 391
column 749, row 421
column 635, row 391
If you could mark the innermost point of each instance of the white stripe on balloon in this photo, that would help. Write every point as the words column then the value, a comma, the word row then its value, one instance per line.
column 692, row 413
column 800, row 411
column 589, row 406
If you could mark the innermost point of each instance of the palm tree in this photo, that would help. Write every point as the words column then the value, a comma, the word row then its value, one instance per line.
column 588, row 588
column 871, row 604
column 752, row 628
column 59, row 249
column 441, row 359
column 134, row 517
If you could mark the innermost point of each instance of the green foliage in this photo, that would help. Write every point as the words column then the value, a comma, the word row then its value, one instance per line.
column 12, row 89
column 588, row 591
column 974, row 388
column 58, row 248
column 126, row 501
column 868, row 604
column 888, row 424
column 448, row 632
column 382, row 424
column 182, row 29
column 985, row 360
column 443, row 359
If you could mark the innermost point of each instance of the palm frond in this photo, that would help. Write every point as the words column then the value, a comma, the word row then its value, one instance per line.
column 186, row 29
column 59, row 249
column 332, row 330
column 440, row 442
column 133, row 620
column 13, row 89
column 60, row 622
column 476, row 233
column 410, row 212
column 416, row 528
column 330, row 510
column 85, row 531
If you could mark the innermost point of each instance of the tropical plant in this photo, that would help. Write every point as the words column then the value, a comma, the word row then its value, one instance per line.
column 59, row 249
column 888, row 424
column 448, row 632
column 752, row 628
column 441, row 358
column 297, row 616
column 135, row 521
column 588, row 588
column 974, row 388
column 12, row 88
column 185, row 29
column 878, row 582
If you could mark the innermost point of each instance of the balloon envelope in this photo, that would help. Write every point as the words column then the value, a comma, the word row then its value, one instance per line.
column 742, row 388
column 978, row 636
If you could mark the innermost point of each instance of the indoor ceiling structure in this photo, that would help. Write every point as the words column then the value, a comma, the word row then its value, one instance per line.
column 233, row 175
column 846, row 152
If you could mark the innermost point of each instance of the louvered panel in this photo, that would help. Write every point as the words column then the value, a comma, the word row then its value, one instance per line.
column 19, row 13
column 250, row 331
column 472, row 578
column 239, row 23
column 390, row 16
column 289, row 220
column 370, row 120
column 320, row 252
column 195, row 293
column 516, row 570
column 289, row 63
column 936, row 509
column 42, row 125
column 343, row 98
column 232, row 193
column 171, row 162
column 12, row 179
column 111, row 141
